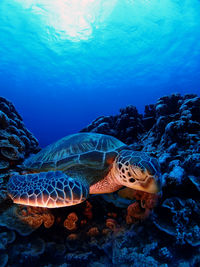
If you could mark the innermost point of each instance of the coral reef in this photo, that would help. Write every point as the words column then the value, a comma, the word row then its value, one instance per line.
column 35, row 216
column 127, row 126
column 169, row 130
column 116, row 229
column 180, row 218
column 10, row 219
column 16, row 142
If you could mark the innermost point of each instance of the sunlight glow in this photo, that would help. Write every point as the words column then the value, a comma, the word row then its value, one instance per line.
column 71, row 19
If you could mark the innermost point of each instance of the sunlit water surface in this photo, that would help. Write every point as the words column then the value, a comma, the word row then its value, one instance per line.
column 65, row 62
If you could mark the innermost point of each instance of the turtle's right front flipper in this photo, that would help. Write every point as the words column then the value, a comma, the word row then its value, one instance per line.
column 47, row 189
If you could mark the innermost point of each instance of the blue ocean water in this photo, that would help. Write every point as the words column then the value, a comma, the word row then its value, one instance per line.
column 65, row 62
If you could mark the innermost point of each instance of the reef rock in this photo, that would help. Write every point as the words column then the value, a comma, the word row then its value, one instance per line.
column 16, row 142
column 127, row 126
column 170, row 131
column 180, row 218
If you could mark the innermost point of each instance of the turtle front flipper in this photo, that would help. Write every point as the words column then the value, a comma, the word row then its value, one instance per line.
column 47, row 189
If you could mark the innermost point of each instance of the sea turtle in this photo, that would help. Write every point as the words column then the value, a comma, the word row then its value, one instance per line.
column 67, row 171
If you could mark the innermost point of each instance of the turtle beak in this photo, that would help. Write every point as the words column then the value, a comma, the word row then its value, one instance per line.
column 149, row 186
column 153, row 187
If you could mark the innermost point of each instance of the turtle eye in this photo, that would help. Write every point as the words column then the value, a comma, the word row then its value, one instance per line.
column 136, row 171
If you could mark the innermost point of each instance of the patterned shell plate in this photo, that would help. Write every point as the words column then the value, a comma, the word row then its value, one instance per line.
column 89, row 149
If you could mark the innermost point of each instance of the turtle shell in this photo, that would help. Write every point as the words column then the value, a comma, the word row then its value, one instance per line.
column 80, row 152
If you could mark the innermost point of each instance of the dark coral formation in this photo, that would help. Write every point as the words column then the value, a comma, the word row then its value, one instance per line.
column 16, row 142
column 127, row 126
column 100, row 231
column 169, row 130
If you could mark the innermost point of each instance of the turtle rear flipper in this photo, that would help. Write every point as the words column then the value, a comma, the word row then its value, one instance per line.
column 47, row 189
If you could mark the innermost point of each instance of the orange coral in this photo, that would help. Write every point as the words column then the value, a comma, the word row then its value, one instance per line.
column 72, row 237
column 106, row 231
column 142, row 208
column 112, row 214
column 135, row 212
column 83, row 222
column 148, row 201
column 111, row 224
column 94, row 231
column 88, row 210
column 70, row 225
column 70, row 222
column 48, row 220
column 151, row 201
column 35, row 216
column 72, row 217
column 58, row 220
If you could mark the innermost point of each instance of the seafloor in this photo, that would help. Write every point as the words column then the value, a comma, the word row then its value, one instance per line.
column 102, row 231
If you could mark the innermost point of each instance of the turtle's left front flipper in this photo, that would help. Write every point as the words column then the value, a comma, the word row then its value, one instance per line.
column 47, row 189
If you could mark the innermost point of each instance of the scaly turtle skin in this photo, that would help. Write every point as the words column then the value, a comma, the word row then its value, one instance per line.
column 66, row 172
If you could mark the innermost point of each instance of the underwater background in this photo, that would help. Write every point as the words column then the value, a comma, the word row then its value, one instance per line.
column 63, row 63
column 125, row 68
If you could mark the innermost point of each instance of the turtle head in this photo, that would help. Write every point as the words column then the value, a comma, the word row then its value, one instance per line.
column 138, row 171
